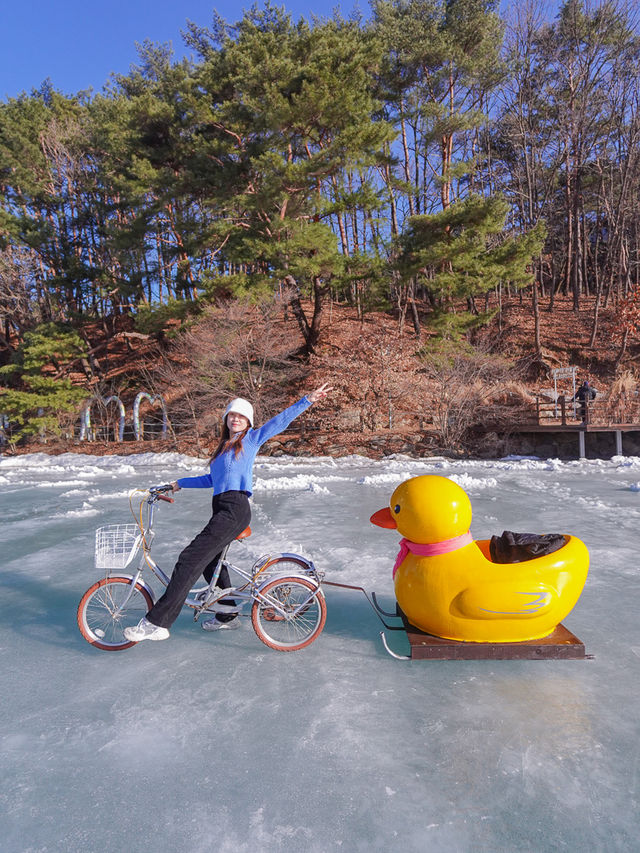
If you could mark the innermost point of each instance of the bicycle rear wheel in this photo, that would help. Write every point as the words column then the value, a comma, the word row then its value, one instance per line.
column 103, row 615
column 291, row 615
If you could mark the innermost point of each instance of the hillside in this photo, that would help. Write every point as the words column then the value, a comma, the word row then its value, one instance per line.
column 386, row 399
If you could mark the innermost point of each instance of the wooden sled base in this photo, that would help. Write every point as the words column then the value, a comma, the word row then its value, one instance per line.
column 561, row 645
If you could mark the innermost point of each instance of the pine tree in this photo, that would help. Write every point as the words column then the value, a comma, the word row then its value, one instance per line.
column 442, row 63
column 298, row 102
column 31, row 400
column 464, row 251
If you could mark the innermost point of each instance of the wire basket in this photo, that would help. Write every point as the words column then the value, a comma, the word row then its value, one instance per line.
column 116, row 545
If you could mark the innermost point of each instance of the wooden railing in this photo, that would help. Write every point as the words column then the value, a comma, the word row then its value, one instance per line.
column 624, row 411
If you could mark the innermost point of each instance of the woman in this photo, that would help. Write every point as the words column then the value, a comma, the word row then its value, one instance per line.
column 230, row 476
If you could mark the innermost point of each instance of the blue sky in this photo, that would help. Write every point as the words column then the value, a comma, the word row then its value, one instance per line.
column 79, row 43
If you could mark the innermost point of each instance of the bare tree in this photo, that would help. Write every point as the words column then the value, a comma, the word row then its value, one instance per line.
column 461, row 389
column 22, row 303
column 235, row 349
column 372, row 374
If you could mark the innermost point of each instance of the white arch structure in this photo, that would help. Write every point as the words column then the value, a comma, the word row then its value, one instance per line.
column 85, row 417
column 137, row 426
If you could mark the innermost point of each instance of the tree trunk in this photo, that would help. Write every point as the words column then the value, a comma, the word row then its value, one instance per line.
column 414, row 311
column 320, row 291
column 536, row 311
column 623, row 348
column 310, row 330
column 407, row 167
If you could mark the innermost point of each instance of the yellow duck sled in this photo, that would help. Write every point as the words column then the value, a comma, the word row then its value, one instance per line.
column 447, row 585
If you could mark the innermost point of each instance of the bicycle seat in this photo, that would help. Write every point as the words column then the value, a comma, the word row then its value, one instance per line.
column 245, row 533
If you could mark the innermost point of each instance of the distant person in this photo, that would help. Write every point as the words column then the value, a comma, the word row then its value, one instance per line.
column 583, row 395
column 231, row 478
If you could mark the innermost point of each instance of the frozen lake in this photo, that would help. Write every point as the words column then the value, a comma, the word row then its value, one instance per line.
column 213, row 742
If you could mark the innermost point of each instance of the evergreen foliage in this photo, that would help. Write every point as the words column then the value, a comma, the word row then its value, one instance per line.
column 31, row 400
column 462, row 252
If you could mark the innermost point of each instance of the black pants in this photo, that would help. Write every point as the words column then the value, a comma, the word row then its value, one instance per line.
column 230, row 515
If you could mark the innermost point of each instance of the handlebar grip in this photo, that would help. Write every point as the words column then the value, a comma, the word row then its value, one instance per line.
column 165, row 498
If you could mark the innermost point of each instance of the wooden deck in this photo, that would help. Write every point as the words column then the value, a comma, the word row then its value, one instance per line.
column 601, row 418
column 550, row 426
column 561, row 645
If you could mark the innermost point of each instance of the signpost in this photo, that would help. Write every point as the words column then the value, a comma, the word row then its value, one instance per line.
column 563, row 373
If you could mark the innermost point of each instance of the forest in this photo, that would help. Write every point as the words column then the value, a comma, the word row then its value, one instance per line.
column 417, row 166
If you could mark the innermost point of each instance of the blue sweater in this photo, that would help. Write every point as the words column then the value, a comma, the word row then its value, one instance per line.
column 228, row 472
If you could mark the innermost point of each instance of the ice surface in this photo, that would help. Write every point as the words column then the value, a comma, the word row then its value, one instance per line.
column 213, row 742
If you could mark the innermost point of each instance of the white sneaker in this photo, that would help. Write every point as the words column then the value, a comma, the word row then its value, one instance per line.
column 145, row 630
column 215, row 625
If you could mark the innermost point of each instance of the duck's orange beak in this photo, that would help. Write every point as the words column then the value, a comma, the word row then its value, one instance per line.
column 383, row 518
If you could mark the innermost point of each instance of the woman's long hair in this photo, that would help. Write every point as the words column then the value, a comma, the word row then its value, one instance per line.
column 227, row 441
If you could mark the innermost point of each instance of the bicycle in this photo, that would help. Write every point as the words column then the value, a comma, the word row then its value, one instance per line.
column 288, row 608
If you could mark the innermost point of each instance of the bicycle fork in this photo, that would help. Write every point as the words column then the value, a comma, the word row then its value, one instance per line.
column 132, row 587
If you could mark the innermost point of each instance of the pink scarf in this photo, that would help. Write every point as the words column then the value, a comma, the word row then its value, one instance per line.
column 432, row 549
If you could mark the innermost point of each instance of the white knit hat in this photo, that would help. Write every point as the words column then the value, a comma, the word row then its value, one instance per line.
column 240, row 407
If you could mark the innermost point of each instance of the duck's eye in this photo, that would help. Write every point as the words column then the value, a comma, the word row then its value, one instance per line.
column 396, row 508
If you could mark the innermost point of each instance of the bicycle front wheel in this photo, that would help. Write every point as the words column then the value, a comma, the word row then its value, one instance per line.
column 107, row 608
column 290, row 615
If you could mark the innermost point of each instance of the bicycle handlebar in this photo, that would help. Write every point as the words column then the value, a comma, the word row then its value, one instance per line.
column 157, row 492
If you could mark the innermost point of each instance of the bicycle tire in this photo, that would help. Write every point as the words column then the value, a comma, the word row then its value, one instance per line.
column 96, row 620
column 282, row 565
column 289, row 634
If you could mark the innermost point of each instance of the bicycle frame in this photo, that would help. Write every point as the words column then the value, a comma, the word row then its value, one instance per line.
column 205, row 597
